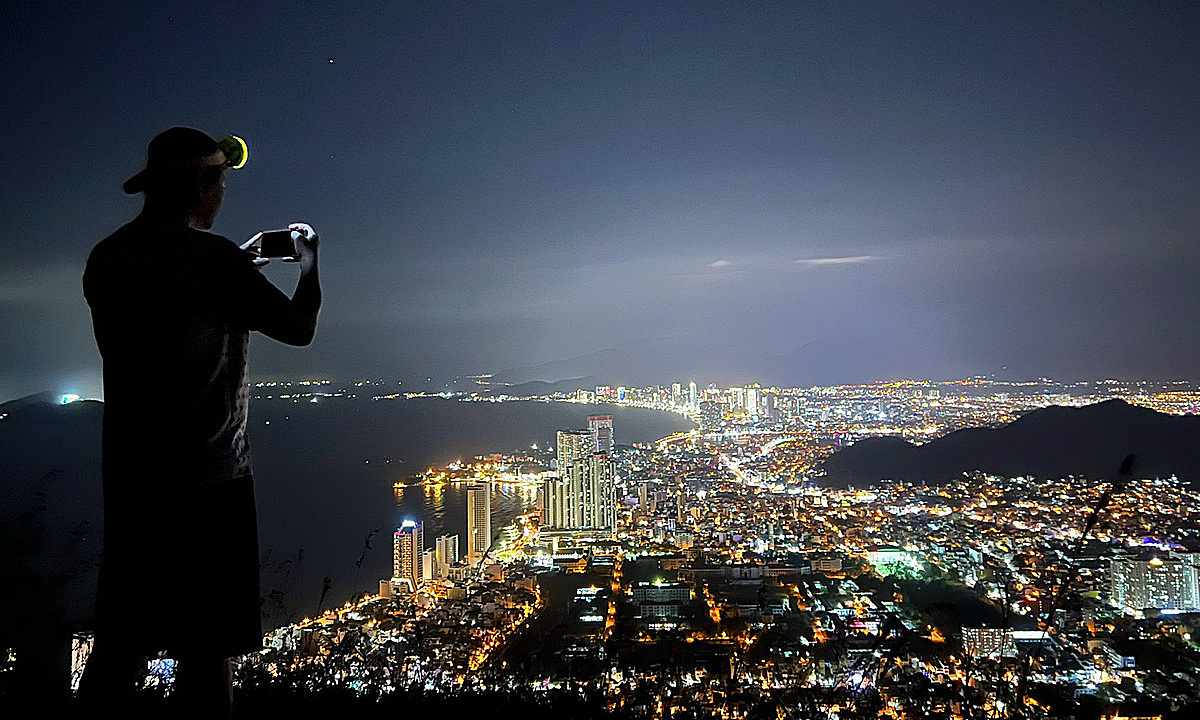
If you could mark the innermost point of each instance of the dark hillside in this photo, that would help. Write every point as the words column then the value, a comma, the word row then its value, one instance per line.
column 1048, row 442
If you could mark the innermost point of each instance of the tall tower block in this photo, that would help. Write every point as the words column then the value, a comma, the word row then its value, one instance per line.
column 584, row 493
column 573, row 445
column 602, row 431
column 479, row 522
column 446, row 552
column 407, row 545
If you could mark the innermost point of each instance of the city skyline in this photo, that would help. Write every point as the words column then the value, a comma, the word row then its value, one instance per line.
column 810, row 194
column 730, row 549
column 890, row 304
column 922, row 599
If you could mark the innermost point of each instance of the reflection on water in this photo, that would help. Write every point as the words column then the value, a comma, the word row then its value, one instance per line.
column 442, row 507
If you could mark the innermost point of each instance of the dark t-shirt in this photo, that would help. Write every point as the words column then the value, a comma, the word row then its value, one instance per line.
column 172, row 308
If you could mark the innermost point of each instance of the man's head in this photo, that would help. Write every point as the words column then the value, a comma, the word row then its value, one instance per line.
column 185, row 174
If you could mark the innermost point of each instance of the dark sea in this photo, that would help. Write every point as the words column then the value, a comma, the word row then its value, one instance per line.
column 324, row 475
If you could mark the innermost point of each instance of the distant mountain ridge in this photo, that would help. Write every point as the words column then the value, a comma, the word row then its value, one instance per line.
column 541, row 387
column 1050, row 442
column 37, row 399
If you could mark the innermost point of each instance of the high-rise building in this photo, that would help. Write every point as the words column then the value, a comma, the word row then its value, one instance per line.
column 582, row 497
column 446, row 553
column 584, row 493
column 771, row 407
column 602, row 432
column 693, row 397
column 407, row 545
column 555, row 502
column 571, row 445
column 1163, row 583
column 429, row 568
column 595, row 477
column 479, row 522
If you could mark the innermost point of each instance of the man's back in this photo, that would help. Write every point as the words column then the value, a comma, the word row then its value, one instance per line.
column 172, row 313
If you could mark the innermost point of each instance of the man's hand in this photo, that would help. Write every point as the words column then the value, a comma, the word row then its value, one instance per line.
column 307, row 242
column 294, row 321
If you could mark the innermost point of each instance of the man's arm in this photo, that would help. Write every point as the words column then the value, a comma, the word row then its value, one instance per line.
column 292, row 321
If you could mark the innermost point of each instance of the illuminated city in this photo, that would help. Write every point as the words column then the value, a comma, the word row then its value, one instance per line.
column 733, row 580
column 669, row 360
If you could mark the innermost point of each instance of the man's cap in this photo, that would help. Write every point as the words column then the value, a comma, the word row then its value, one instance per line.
column 182, row 147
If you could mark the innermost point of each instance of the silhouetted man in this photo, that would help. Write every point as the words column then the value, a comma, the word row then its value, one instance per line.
column 172, row 309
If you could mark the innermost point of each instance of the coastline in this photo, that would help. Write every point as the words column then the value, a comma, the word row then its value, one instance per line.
column 326, row 474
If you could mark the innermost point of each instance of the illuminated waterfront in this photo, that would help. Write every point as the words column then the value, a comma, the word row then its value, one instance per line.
column 443, row 508
column 325, row 475
column 733, row 580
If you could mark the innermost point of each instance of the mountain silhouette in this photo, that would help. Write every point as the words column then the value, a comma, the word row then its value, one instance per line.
column 1050, row 442
column 50, row 522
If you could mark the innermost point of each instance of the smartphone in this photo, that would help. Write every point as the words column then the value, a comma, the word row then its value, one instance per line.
column 277, row 244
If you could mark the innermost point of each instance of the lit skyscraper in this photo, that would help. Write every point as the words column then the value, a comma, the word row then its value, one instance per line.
column 555, row 498
column 602, row 431
column 429, row 568
column 571, row 445
column 583, row 496
column 693, row 397
column 595, row 480
column 479, row 522
column 446, row 552
column 406, row 554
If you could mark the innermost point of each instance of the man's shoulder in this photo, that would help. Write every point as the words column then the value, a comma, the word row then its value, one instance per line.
column 219, row 247
column 147, row 239
column 139, row 254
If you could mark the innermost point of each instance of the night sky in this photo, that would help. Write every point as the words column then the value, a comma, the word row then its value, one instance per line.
column 796, row 193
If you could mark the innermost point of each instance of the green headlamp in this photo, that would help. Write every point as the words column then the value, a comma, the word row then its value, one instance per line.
column 236, row 152
column 183, row 147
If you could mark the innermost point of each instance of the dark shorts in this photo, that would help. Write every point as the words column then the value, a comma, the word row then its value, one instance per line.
column 180, row 568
